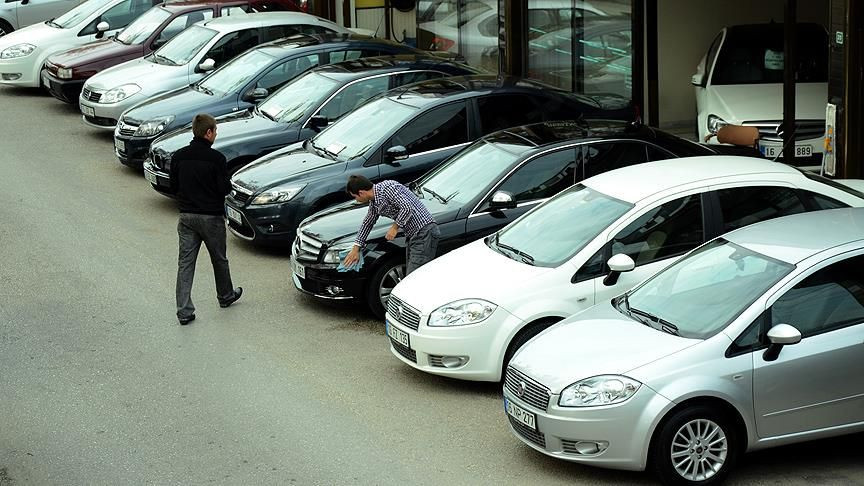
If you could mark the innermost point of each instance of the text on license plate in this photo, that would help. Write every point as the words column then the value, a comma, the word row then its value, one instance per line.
column 88, row 111
column 120, row 145
column 772, row 151
column 151, row 177
column 234, row 215
column 521, row 415
column 298, row 269
column 398, row 335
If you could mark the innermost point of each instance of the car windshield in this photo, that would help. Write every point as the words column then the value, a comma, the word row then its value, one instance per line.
column 299, row 98
column 79, row 14
column 353, row 135
column 465, row 175
column 138, row 31
column 553, row 232
column 236, row 73
column 754, row 55
column 182, row 49
column 702, row 293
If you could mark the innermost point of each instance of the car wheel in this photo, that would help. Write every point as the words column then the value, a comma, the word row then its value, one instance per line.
column 383, row 281
column 5, row 28
column 695, row 446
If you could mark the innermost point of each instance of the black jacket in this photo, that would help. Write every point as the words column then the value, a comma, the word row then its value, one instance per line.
column 199, row 175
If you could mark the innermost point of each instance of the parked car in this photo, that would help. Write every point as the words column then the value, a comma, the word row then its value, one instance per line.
column 237, row 86
column 300, row 109
column 67, row 71
column 474, row 193
column 15, row 14
column 23, row 52
column 739, row 81
column 398, row 136
column 751, row 341
column 185, row 59
column 582, row 247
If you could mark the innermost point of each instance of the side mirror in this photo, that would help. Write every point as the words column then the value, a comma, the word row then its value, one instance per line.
column 255, row 95
column 318, row 121
column 502, row 200
column 206, row 65
column 101, row 28
column 698, row 79
column 779, row 336
column 618, row 264
column 394, row 153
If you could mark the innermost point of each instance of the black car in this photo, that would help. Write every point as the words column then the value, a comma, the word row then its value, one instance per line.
column 399, row 135
column 238, row 85
column 473, row 194
column 302, row 108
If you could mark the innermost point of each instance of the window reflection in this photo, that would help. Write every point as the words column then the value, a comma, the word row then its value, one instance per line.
column 468, row 28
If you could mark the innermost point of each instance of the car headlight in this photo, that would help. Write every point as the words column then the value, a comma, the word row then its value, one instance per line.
column 461, row 313
column 64, row 73
column 119, row 93
column 715, row 123
column 285, row 192
column 332, row 254
column 599, row 390
column 18, row 50
column 153, row 127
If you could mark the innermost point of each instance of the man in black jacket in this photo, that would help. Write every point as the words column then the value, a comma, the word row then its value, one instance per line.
column 200, row 176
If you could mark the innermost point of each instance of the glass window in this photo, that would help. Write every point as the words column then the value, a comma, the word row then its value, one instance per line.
column 352, row 136
column 141, row 29
column 465, row 27
column 498, row 112
column 668, row 230
column 747, row 205
column 712, row 52
column 235, row 10
column 353, row 96
column 182, row 48
column 416, row 77
column 78, row 14
column 273, row 32
column 824, row 202
column 233, row 75
column 231, row 45
column 829, row 299
column 286, row 71
column 297, row 99
column 605, row 156
column 119, row 15
column 181, row 23
column 444, row 126
column 544, row 176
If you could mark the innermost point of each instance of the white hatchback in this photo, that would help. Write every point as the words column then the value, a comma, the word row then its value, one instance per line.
column 465, row 314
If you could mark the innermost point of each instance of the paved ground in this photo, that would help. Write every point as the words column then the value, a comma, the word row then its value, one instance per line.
column 99, row 385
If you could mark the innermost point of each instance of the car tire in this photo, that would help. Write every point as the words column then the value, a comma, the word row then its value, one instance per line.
column 388, row 274
column 523, row 337
column 5, row 28
column 684, row 434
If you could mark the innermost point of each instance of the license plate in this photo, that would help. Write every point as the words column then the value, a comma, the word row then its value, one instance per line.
column 234, row 215
column 398, row 335
column 120, row 145
column 151, row 177
column 87, row 110
column 520, row 414
column 298, row 269
column 772, row 151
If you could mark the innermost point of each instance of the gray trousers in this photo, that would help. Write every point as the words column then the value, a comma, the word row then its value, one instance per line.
column 192, row 230
column 422, row 247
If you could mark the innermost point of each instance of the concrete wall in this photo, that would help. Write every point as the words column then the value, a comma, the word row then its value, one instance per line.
column 685, row 31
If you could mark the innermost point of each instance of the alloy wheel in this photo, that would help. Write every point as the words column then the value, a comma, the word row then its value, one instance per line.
column 391, row 278
column 699, row 449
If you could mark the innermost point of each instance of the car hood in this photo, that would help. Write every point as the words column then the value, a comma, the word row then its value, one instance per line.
column 764, row 102
column 183, row 103
column 597, row 341
column 235, row 129
column 291, row 163
column 150, row 76
column 493, row 277
column 94, row 52
column 40, row 35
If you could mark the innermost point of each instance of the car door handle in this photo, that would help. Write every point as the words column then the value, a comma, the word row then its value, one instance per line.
column 581, row 299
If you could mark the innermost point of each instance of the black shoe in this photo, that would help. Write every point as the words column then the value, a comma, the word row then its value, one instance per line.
column 186, row 320
column 237, row 293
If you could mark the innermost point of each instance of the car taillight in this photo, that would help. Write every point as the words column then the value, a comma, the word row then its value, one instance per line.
column 442, row 44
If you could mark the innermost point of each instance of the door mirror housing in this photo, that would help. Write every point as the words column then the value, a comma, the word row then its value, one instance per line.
column 101, row 28
column 318, row 121
column 780, row 335
column 618, row 264
column 395, row 153
column 698, row 79
column 206, row 65
column 502, row 200
column 255, row 95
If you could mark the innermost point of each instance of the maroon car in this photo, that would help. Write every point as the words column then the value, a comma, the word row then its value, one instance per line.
column 67, row 71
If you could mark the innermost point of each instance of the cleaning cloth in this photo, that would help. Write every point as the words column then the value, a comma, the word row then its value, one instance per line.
column 356, row 266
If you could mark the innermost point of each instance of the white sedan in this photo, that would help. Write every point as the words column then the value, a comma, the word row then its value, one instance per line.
column 465, row 314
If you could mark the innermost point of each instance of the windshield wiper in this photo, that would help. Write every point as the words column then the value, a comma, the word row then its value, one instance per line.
column 265, row 114
column 526, row 258
column 203, row 89
column 662, row 324
column 169, row 62
column 52, row 23
column 322, row 151
column 435, row 194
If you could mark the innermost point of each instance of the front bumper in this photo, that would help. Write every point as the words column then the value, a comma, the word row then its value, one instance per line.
column 159, row 180
column 65, row 90
column 325, row 282
column 272, row 224
column 101, row 115
column 622, row 432
column 130, row 150
column 21, row 71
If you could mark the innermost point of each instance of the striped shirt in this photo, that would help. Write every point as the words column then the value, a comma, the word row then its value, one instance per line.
column 397, row 202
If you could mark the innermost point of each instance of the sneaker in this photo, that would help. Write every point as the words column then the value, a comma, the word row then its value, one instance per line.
column 186, row 320
column 237, row 293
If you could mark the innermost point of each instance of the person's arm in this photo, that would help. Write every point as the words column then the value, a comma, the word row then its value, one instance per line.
column 362, row 234
column 222, row 174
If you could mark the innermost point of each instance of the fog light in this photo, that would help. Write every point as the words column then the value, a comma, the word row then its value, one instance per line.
column 333, row 290
column 270, row 228
column 11, row 76
column 589, row 448
column 453, row 361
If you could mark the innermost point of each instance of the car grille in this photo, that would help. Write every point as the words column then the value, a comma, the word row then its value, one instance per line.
column 403, row 313
column 240, row 194
column 407, row 353
column 125, row 128
column 527, row 432
column 89, row 95
column 161, row 160
column 306, row 248
column 436, row 361
column 534, row 393
column 804, row 129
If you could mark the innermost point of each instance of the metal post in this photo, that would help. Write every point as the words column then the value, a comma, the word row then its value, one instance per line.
column 790, row 54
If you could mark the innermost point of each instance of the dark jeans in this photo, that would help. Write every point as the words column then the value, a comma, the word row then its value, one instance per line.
column 422, row 247
column 192, row 230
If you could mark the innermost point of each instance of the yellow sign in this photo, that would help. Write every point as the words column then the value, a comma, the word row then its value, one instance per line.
column 369, row 4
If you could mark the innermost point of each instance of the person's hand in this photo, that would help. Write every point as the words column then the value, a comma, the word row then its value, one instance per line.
column 352, row 257
column 391, row 233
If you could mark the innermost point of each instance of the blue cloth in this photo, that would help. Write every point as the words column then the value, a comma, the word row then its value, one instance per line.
column 355, row 266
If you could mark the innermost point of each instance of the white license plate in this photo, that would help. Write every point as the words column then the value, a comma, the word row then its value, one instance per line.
column 120, row 145
column 87, row 110
column 520, row 414
column 234, row 215
column 772, row 151
column 398, row 335
column 151, row 177
column 298, row 269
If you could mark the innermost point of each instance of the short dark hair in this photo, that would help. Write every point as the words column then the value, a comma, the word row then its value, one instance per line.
column 357, row 183
column 201, row 123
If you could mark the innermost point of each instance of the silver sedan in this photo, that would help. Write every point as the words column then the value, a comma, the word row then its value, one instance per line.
column 753, row 340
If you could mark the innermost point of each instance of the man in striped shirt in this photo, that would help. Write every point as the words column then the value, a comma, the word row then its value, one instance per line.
column 397, row 202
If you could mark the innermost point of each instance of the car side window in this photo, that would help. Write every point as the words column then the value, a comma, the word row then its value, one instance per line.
column 741, row 206
column 273, row 32
column 440, row 127
column 498, row 112
column 668, row 230
column 179, row 24
column 416, row 76
column 823, row 202
column 286, row 71
column 657, row 153
column 234, row 10
column 351, row 54
column 119, row 15
column 829, row 299
column 594, row 267
column 231, row 45
column 602, row 157
column 543, row 176
column 353, row 96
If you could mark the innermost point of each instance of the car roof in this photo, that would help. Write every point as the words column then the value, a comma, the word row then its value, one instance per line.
column 304, row 40
column 180, row 5
column 460, row 87
column 367, row 66
column 544, row 135
column 636, row 182
column 794, row 238
column 237, row 22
